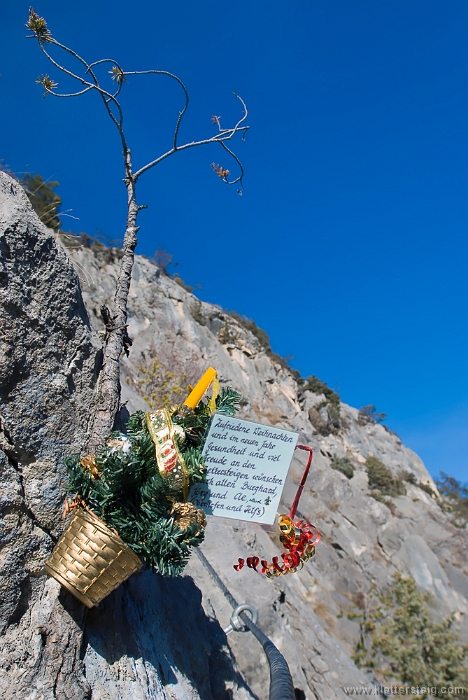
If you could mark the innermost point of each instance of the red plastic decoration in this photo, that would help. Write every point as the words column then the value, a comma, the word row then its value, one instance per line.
column 298, row 538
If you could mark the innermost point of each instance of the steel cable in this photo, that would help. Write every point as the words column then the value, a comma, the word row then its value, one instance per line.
column 281, row 685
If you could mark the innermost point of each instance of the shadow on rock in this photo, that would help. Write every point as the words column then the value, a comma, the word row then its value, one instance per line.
column 160, row 621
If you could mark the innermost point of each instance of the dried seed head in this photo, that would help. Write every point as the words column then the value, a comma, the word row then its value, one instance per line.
column 38, row 25
column 47, row 83
column 220, row 171
column 118, row 75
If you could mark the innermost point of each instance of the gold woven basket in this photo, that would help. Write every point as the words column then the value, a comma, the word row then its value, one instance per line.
column 90, row 560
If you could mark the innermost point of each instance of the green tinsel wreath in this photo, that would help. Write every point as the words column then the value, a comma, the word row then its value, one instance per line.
column 126, row 490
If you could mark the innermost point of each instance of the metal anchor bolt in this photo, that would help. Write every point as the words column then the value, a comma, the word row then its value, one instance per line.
column 236, row 624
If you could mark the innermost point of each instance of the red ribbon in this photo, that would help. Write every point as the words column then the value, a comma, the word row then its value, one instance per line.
column 298, row 538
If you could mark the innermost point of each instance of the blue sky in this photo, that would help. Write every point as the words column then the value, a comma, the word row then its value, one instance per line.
column 349, row 244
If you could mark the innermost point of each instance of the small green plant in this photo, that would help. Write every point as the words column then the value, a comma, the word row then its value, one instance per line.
column 426, row 488
column 353, row 615
column 410, row 478
column 250, row 325
column 226, row 334
column 343, row 465
column 197, row 314
column 378, row 496
column 334, row 411
column 381, row 479
column 162, row 258
column 332, row 399
column 454, row 499
column 163, row 382
column 402, row 643
column 316, row 386
column 44, row 200
column 322, row 426
column 264, row 341
column 178, row 280
column 368, row 414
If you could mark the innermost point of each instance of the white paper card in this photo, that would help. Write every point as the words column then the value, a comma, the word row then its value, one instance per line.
column 246, row 465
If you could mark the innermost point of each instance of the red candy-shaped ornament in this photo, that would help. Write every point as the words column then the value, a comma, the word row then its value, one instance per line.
column 298, row 538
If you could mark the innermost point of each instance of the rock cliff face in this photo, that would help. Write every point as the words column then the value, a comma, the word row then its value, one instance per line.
column 47, row 375
column 135, row 644
column 157, row 638
column 364, row 540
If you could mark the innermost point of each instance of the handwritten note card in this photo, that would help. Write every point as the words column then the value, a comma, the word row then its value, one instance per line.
column 246, row 467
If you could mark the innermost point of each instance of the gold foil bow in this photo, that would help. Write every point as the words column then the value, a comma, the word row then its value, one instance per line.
column 169, row 460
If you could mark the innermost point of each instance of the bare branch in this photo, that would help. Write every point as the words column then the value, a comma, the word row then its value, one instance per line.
column 220, row 137
column 178, row 80
column 71, row 94
column 62, row 68
column 105, row 95
column 238, row 179
column 116, row 72
column 95, row 84
column 50, row 207
column 217, row 120
column 245, row 110
column 70, row 216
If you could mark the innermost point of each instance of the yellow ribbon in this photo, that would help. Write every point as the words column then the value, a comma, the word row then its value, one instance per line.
column 214, row 395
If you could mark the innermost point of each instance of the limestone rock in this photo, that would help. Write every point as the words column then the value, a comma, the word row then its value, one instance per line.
column 158, row 638
column 364, row 541
column 151, row 638
column 47, row 376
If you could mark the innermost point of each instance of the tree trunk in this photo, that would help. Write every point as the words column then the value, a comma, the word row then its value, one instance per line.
column 108, row 389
